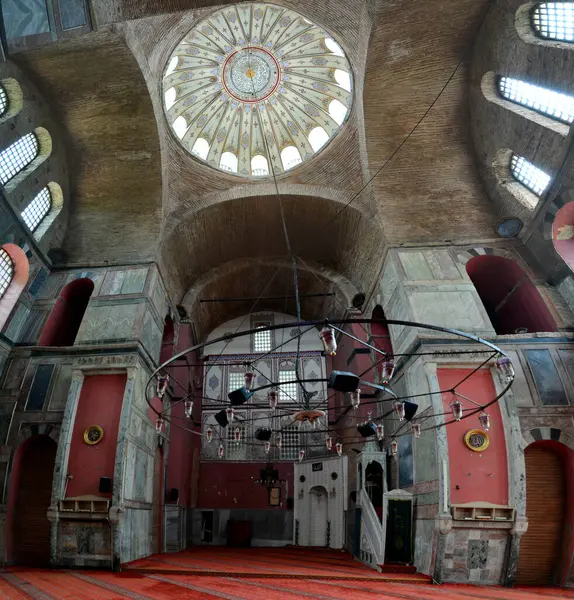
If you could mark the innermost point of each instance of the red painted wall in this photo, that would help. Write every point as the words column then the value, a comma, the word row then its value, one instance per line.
column 231, row 485
column 480, row 477
column 100, row 403
column 494, row 277
column 564, row 247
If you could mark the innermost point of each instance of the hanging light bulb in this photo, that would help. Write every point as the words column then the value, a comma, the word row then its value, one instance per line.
column 327, row 335
column 159, row 425
column 278, row 440
column 230, row 412
column 416, row 430
column 273, row 397
column 188, row 408
column 301, row 455
column 399, row 409
column 456, row 407
column 394, row 447
column 380, row 431
column 355, row 398
column 249, row 379
column 505, row 368
column 387, row 370
column 209, row 434
column 267, row 447
column 484, row 421
column 220, row 451
column 329, row 443
column 162, row 383
column 339, row 448
column 237, row 435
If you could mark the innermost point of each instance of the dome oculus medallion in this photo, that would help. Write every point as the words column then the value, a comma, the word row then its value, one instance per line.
column 256, row 88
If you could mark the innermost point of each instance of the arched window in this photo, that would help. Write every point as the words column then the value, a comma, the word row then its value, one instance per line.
column 290, row 157
column 334, row 47
column 201, row 148
column 259, row 166
column 338, row 111
column 343, row 79
column 548, row 102
column 554, row 20
column 6, row 271
column 66, row 317
column 509, row 297
column 180, row 126
column 37, row 210
column 318, row 137
column 527, row 174
column 3, row 101
column 170, row 97
column 18, row 156
column 229, row 162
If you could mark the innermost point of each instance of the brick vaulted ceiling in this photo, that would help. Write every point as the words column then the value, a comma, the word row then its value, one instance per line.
column 138, row 195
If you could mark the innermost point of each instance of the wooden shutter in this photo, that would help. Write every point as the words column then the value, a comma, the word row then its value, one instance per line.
column 31, row 525
column 545, row 504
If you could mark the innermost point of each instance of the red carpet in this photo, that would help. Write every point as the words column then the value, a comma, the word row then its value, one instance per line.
column 251, row 574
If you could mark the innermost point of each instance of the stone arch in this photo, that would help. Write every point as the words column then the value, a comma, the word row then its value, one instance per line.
column 28, row 430
column 547, row 433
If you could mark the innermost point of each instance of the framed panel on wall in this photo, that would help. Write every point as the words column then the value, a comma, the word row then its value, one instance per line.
column 274, row 496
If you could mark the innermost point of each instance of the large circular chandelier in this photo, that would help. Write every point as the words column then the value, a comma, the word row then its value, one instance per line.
column 373, row 388
column 255, row 89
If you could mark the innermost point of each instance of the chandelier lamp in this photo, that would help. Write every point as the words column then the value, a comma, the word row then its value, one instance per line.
column 373, row 388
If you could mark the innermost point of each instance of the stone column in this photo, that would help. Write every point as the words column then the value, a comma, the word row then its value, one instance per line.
column 518, row 530
column 443, row 526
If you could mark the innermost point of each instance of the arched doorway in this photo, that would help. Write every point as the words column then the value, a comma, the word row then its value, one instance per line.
column 374, row 484
column 157, row 507
column 508, row 295
column 32, row 476
column 66, row 317
column 541, row 545
column 319, row 513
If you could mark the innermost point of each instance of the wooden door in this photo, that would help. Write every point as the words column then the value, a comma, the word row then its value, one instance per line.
column 31, row 525
column 545, row 504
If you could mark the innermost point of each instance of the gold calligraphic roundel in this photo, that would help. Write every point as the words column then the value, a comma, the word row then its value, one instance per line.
column 477, row 440
column 93, row 435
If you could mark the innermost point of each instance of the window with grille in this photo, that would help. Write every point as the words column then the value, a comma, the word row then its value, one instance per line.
column 530, row 176
column 6, row 271
column 287, row 391
column 3, row 101
column 290, row 443
column 554, row 20
column 18, row 156
column 236, row 381
column 236, row 450
column 40, row 206
column 262, row 340
column 545, row 101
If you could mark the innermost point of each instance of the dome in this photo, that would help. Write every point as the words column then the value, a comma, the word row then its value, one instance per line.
column 256, row 89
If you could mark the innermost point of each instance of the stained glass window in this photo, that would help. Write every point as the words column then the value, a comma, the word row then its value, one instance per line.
column 287, row 391
column 554, row 20
column 3, row 101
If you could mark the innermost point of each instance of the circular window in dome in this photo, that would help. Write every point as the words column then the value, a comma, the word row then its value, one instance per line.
column 255, row 90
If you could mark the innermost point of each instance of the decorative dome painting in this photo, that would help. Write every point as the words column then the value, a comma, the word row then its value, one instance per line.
column 255, row 89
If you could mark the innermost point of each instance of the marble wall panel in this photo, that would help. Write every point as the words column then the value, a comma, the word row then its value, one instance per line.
column 61, row 387
column 15, row 375
column 134, row 281
column 151, row 335
column 16, row 323
column 424, row 534
column 158, row 297
column 136, row 535
column 442, row 264
column 52, row 286
column 108, row 322
column 30, row 333
column 415, row 265
column 112, row 284
column 6, row 413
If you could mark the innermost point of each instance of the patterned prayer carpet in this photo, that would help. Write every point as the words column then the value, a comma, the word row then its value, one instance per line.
column 251, row 574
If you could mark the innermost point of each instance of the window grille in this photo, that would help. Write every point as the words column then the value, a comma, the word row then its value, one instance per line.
column 290, row 443
column 287, row 391
column 545, row 101
column 236, row 450
column 40, row 206
column 18, row 156
column 554, row 20
column 6, row 271
column 530, row 176
column 236, row 381
column 3, row 101
column 262, row 340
